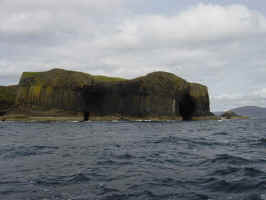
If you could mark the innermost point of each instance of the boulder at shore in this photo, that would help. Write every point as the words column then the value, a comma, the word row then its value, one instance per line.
column 158, row 95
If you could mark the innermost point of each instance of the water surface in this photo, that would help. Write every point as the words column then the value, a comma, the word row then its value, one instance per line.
column 209, row 160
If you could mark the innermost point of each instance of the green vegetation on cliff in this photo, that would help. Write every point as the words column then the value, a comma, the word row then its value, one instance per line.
column 62, row 78
column 8, row 94
column 101, row 78
column 55, row 88
column 55, row 78
column 7, row 97
column 162, row 82
column 156, row 95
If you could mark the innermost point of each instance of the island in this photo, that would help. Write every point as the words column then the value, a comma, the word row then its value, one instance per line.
column 60, row 94
column 232, row 115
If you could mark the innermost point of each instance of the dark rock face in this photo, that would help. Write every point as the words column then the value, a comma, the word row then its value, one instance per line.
column 54, row 89
column 157, row 94
column 7, row 98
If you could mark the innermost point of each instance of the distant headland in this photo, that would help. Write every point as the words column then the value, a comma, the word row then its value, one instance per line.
column 60, row 94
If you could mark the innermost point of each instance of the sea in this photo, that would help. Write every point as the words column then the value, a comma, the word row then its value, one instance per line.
column 140, row 160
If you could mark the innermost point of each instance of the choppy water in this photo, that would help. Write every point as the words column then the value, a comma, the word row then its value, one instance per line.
column 133, row 160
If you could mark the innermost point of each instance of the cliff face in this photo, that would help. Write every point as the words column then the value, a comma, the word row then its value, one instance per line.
column 200, row 96
column 54, row 89
column 7, row 98
column 48, row 90
column 157, row 94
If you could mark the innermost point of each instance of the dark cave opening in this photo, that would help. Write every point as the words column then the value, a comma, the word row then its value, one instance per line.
column 93, row 98
column 86, row 116
column 2, row 113
column 187, row 108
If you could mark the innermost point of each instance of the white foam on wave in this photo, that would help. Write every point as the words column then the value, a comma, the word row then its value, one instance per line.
column 143, row 120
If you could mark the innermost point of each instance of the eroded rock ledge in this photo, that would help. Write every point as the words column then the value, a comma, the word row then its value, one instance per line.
column 59, row 92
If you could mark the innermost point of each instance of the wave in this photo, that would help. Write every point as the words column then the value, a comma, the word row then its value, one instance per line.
column 132, row 160
column 221, row 133
column 254, row 143
column 113, row 162
column 62, row 180
column 189, row 141
column 226, row 159
column 125, row 156
column 24, row 151
column 238, row 171
column 236, row 186
column 261, row 141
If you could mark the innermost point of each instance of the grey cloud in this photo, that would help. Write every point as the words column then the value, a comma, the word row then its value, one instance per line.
column 226, row 102
column 197, row 25
column 222, row 46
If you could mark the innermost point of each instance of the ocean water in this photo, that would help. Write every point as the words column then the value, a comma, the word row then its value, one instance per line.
column 200, row 160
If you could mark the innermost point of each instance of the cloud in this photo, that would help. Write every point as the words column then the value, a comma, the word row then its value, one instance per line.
column 40, row 35
column 194, row 26
column 35, row 22
column 228, row 101
column 222, row 46
column 209, row 38
column 100, row 6
column 260, row 93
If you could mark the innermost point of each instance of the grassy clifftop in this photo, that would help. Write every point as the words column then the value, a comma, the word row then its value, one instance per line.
column 55, row 78
column 162, row 82
column 62, row 78
column 107, row 78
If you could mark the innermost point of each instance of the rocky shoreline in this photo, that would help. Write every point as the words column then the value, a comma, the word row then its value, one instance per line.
column 25, row 118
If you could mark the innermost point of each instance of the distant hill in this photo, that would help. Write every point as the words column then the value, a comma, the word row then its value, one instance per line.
column 251, row 111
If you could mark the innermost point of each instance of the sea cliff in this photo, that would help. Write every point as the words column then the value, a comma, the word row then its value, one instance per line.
column 7, row 98
column 61, row 93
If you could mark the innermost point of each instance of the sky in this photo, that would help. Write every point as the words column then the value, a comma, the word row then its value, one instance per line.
column 218, row 43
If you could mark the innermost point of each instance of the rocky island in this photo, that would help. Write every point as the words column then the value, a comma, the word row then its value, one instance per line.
column 62, row 94
column 232, row 115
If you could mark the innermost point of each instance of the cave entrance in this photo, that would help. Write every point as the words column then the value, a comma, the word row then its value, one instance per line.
column 86, row 116
column 187, row 108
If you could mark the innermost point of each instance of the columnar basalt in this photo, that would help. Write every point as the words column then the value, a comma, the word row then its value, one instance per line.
column 156, row 95
column 55, row 89
column 7, row 98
